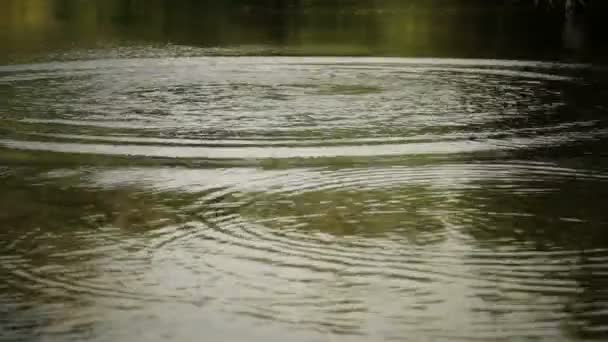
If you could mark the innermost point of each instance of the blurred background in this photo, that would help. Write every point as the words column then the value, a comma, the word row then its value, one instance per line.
column 529, row 29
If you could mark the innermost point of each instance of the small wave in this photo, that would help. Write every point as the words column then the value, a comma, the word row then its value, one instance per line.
column 339, row 247
column 276, row 107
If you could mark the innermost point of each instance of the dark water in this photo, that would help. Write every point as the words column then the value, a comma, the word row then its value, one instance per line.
column 188, row 180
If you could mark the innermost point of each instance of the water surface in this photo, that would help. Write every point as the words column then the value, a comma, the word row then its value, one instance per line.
column 168, row 193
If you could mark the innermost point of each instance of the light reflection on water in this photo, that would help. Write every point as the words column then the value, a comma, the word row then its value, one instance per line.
column 341, row 198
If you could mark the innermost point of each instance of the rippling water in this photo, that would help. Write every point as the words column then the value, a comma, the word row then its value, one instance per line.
column 316, row 198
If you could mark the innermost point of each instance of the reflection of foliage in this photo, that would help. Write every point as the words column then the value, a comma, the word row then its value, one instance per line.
column 58, row 204
column 358, row 212
column 62, row 205
column 543, row 217
column 566, row 218
column 46, row 216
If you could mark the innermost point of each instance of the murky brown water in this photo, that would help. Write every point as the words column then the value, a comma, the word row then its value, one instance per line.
column 167, row 193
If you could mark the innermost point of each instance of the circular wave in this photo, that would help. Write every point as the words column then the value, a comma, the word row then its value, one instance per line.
column 326, row 249
column 372, row 249
column 264, row 108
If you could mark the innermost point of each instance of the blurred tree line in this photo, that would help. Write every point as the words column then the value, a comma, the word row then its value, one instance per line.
column 456, row 28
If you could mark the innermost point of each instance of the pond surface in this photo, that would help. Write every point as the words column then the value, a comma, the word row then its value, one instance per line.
column 168, row 192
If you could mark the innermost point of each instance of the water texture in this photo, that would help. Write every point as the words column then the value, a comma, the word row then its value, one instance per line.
column 322, row 199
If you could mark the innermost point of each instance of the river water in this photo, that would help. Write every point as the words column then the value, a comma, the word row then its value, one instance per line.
column 238, row 192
